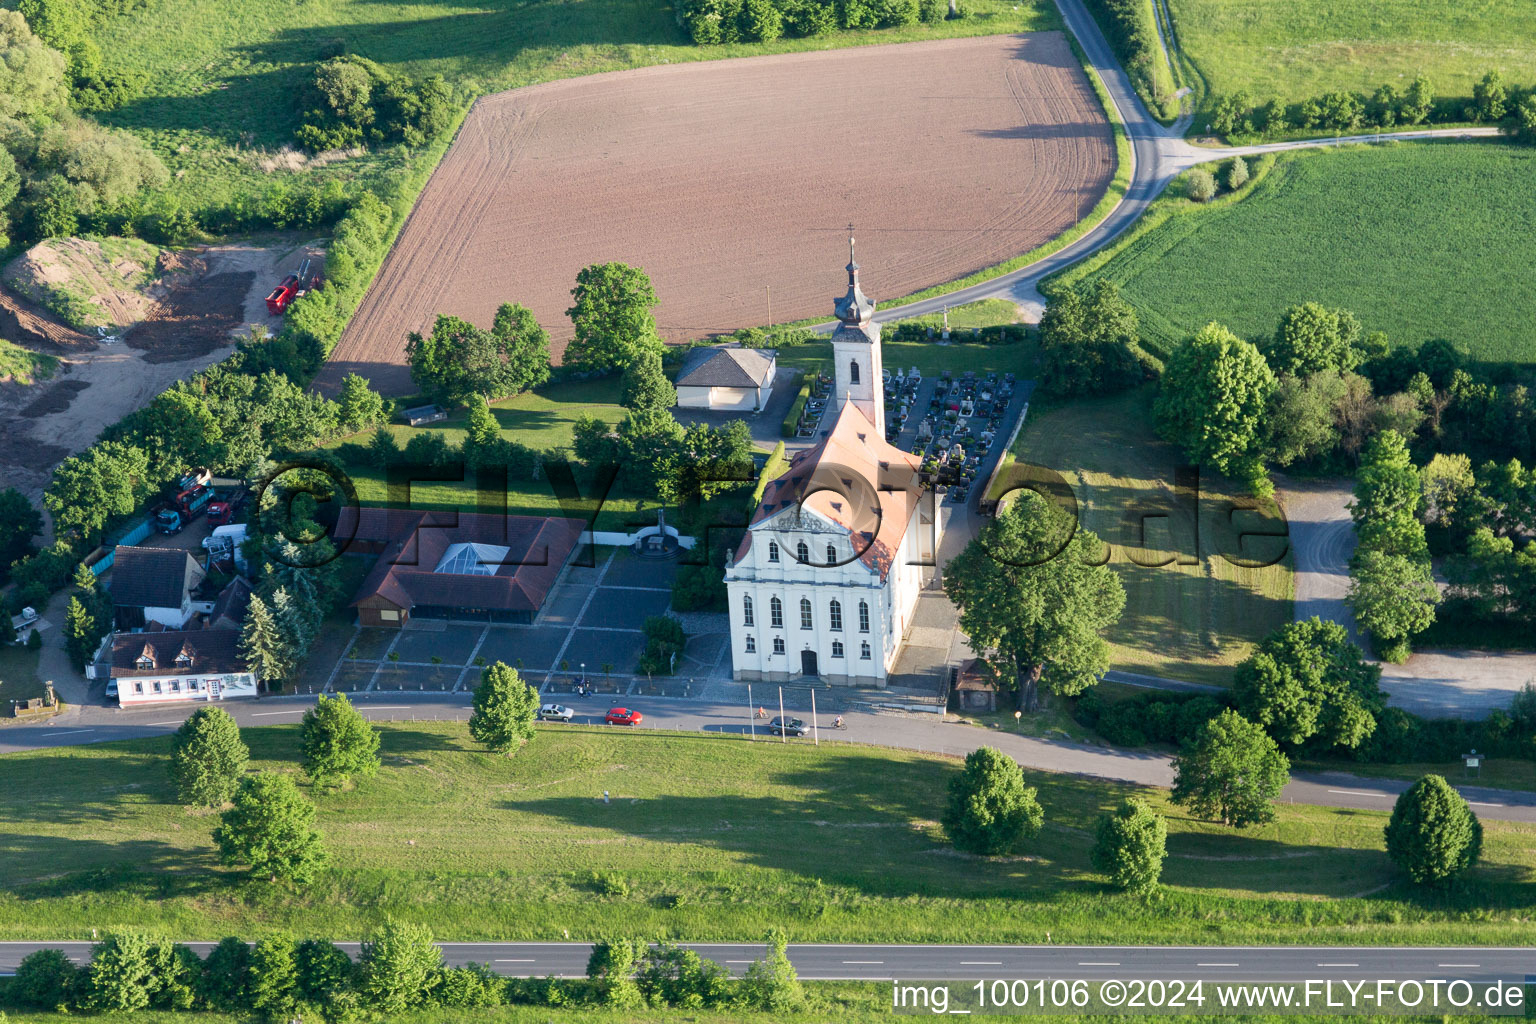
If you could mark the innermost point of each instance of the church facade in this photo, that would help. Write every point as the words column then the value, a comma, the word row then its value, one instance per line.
column 825, row 583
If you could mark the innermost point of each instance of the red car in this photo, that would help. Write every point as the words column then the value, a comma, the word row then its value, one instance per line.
column 622, row 716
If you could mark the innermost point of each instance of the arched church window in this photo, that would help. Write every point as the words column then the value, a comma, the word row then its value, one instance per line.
column 831, row 555
column 837, row 615
column 805, row 613
column 775, row 613
column 746, row 611
column 863, row 616
column 773, row 552
column 853, row 371
column 803, row 553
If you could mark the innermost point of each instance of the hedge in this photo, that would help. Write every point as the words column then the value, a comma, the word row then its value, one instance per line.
column 792, row 418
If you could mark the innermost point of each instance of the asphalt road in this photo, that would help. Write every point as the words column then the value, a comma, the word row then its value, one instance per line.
column 844, row 962
column 910, row 732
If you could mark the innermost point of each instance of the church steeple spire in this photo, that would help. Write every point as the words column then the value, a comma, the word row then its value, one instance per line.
column 854, row 307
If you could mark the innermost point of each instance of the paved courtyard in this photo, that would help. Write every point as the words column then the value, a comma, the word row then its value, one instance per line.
column 592, row 619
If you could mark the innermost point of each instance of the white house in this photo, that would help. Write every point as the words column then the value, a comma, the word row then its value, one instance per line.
column 826, row 580
column 203, row 665
column 153, row 586
column 726, row 378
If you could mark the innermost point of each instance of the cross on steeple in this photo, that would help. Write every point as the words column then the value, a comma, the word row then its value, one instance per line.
column 854, row 307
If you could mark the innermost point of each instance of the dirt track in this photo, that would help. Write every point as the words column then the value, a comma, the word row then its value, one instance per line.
column 727, row 178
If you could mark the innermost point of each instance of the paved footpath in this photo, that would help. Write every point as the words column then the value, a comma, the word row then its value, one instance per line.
column 921, row 732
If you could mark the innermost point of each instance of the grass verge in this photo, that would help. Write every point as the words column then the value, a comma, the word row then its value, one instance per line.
column 24, row 365
column 707, row 837
column 1190, row 613
column 1419, row 239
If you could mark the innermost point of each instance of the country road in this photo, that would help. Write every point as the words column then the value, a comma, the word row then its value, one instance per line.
column 909, row 732
column 1160, row 154
column 880, row 962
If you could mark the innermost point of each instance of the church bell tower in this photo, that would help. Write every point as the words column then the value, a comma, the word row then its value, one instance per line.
column 856, row 350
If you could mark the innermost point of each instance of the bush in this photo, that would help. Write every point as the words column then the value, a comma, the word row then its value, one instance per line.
column 1237, row 173
column 1200, row 185
column 469, row 987
column 122, row 974
column 45, row 979
column 664, row 643
column 771, row 984
column 990, row 810
column 1130, row 846
column 1433, row 834
column 322, row 970
column 227, row 976
column 397, row 966
column 796, row 408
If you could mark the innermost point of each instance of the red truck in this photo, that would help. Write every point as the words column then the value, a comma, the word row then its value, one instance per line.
column 279, row 297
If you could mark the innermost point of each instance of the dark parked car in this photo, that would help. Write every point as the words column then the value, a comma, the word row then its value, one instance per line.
column 788, row 727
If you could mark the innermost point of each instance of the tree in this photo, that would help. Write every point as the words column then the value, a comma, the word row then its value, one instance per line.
column 80, row 634
column 1388, row 492
column 178, row 975
column 524, row 347
column 226, row 982
column 274, row 978
column 459, row 361
column 179, row 431
column 990, row 810
column 1088, row 340
column 664, row 643
column 1418, row 102
column 612, row 316
column 1308, row 682
column 271, row 827
column 19, row 523
column 359, row 406
column 651, row 454
column 504, row 709
column 611, row 967
column 107, row 479
column 32, row 74
column 1130, row 845
column 337, row 742
column 1237, row 173
column 263, row 646
column 1214, row 393
column 772, row 984
column 45, row 978
column 1393, row 598
column 1489, row 98
column 1231, row 771
column 1433, row 834
column 1301, row 422
column 1032, row 588
column 208, row 758
column 1201, row 185
column 645, row 385
column 481, row 431
column 121, row 976
column 1521, row 123
column 397, row 965
column 322, row 970
column 1311, row 339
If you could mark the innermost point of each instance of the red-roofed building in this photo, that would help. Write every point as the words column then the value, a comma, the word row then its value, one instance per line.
column 826, row 580
column 454, row 565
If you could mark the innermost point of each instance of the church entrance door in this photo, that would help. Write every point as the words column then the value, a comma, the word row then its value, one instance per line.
column 808, row 663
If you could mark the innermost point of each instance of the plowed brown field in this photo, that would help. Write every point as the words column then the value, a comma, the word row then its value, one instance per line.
column 727, row 179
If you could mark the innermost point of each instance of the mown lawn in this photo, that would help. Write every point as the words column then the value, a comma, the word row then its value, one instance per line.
column 1197, row 616
column 1297, row 49
column 226, row 76
column 542, row 420
column 1420, row 239
column 707, row 837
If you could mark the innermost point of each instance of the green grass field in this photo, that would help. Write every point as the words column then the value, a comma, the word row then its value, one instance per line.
column 1185, row 621
column 1297, row 49
column 23, row 365
column 541, row 420
column 226, row 74
column 707, row 837
column 18, row 676
column 1421, row 240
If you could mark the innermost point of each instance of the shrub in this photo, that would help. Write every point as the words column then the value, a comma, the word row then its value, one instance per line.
column 664, row 643
column 227, row 976
column 990, row 810
column 45, row 979
column 468, row 987
column 321, row 971
column 1130, row 845
column 1200, row 185
column 670, row 975
column 122, row 975
column 1433, row 834
column 771, row 984
column 1237, row 173
column 611, row 968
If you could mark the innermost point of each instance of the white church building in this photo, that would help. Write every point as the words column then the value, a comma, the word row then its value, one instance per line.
column 825, row 583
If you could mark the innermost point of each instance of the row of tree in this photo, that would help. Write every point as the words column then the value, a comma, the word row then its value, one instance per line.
column 710, row 22
column 400, row 968
column 354, row 101
column 1491, row 102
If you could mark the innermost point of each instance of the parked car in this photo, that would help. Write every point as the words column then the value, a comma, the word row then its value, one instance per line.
column 555, row 713
column 788, row 727
column 112, row 689
column 622, row 716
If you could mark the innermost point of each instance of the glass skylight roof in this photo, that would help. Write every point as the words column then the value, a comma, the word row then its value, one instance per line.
column 472, row 559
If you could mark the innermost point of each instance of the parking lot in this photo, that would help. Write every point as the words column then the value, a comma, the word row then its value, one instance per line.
column 590, row 625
